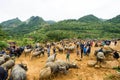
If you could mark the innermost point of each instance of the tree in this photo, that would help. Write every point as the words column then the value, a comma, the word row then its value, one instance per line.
column 2, row 33
column 3, row 45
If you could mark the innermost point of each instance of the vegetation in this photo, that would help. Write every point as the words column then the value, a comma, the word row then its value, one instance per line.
column 117, row 68
column 89, row 18
column 112, row 77
column 36, row 29
column 115, row 19
column 2, row 34
column 3, row 45
column 10, row 24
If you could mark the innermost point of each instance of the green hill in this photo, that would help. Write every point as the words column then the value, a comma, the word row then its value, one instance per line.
column 50, row 22
column 2, row 33
column 73, row 28
column 32, row 24
column 85, row 27
column 11, row 23
column 89, row 18
column 115, row 19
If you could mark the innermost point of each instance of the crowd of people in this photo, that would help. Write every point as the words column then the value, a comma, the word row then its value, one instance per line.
column 83, row 48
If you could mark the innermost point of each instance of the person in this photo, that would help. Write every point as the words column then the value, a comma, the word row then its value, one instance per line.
column 85, row 50
column 77, row 52
column 3, row 74
column 91, row 43
column 3, row 52
column 103, row 43
column 37, row 45
column 54, row 50
column 88, row 50
column 29, row 46
column 81, row 48
column 115, row 43
column 100, row 58
column 96, row 44
column 68, row 56
column 77, row 44
column 48, row 51
column 12, row 52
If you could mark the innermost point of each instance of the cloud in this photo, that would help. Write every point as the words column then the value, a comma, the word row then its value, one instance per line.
column 58, row 9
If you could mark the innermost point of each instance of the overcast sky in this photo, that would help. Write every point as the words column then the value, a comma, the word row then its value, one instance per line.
column 58, row 9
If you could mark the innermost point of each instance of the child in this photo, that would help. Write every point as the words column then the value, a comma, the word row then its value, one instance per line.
column 68, row 56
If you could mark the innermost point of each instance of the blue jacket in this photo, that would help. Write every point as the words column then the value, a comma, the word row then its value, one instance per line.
column 85, row 50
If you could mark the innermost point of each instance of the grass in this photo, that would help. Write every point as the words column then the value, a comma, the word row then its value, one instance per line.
column 117, row 68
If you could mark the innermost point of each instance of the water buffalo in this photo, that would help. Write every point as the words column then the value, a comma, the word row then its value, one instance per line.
column 8, row 65
column 3, row 74
column 45, row 74
column 19, row 72
column 51, row 58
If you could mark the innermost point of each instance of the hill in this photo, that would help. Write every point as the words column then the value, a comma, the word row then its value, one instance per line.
column 32, row 24
column 11, row 23
column 50, row 22
column 85, row 27
column 2, row 33
column 76, row 29
column 115, row 19
column 89, row 18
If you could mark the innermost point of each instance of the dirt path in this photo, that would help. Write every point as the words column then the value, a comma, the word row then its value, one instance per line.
column 84, row 73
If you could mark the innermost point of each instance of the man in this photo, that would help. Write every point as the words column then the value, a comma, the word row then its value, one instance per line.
column 115, row 43
column 78, row 43
column 48, row 51
column 81, row 48
column 54, row 50
column 88, row 50
column 68, row 56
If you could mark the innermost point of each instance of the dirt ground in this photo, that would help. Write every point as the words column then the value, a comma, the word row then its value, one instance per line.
column 84, row 73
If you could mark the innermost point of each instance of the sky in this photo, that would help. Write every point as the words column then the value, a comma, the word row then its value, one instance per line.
column 58, row 9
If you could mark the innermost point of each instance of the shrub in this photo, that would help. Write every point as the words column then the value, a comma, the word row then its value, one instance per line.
column 3, row 45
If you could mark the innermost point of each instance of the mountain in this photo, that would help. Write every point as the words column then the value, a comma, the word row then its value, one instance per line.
column 11, row 23
column 115, row 19
column 50, row 22
column 32, row 24
column 35, row 20
column 85, row 27
column 17, row 27
column 103, row 19
column 89, row 18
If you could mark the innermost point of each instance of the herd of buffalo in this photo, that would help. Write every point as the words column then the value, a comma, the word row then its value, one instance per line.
column 9, row 70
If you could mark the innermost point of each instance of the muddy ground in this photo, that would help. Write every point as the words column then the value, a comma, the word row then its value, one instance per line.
column 84, row 73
